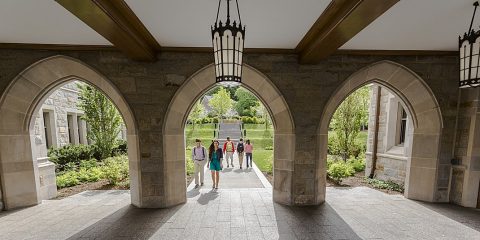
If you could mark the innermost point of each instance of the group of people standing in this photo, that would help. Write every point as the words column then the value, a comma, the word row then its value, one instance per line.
column 214, row 158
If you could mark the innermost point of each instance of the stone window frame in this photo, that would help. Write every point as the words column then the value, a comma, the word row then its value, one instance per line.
column 75, row 129
column 400, row 119
column 393, row 122
column 52, row 114
column 81, row 130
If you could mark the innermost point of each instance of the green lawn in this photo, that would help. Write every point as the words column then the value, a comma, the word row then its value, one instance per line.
column 202, row 131
column 263, row 159
column 262, row 140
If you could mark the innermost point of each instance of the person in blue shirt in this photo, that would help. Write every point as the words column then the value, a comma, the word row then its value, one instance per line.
column 215, row 162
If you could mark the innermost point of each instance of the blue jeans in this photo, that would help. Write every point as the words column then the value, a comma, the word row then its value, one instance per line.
column 249, row 159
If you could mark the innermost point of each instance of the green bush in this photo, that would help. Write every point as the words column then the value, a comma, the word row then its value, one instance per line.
column 333, row 145
column 269, row 148
column 357, row 164
column 70, row 154
column 389, row 185
column 252, row 120
column 68, row 179
column 89, row 175
column 87, row 164
column 339, row 170
column 115, row 169
column 120, row 148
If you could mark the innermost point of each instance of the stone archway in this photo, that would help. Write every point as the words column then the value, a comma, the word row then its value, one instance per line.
column 20, row 102
column 422, row 163
column 177, row 113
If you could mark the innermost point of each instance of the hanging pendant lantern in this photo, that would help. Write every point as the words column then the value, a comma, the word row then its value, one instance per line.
column 469, row 56
column 228, row 43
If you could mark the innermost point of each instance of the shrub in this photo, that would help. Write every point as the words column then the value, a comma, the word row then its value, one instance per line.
column 120, row 148
column 206, row 120
column 68, row 179
column 124, row 184
column 269, row 148
column 357, row 164
column 252, row 120
column 87, row 164
column 339, row 170
column 70, row 154
column 115, row 169
column 89, row 175
column 333, row 145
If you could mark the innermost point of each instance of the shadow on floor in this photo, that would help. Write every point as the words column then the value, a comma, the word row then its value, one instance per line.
column 205, row 198
column 469, row 217
column 312, row 222
column 128, row 222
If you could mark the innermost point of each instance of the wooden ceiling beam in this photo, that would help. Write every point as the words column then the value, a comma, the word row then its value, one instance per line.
column 339, row 23
column 116, row 22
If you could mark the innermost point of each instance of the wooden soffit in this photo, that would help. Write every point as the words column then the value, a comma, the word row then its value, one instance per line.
column 116, row 22
column 339, row 23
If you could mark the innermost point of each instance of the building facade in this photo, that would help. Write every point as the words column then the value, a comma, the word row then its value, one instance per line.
column 154, row 99
column 389, row 136
column 59, row 121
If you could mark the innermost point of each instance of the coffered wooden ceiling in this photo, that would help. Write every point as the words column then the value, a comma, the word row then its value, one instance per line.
column 313, row 29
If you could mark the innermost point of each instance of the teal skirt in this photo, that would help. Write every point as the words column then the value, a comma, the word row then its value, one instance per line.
column 215, row 165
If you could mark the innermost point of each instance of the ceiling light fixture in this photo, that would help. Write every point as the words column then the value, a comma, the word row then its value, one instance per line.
column 469, row 56
column 228, row 43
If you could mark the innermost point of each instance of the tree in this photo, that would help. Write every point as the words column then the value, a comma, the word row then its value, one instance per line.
column 196, row 113
column 102, row 117
column 221, row 102
column 347, row 121
column 245, row 101
column 261, row 111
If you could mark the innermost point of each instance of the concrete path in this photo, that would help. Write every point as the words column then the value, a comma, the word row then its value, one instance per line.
column 234, row 177
column 246, row 213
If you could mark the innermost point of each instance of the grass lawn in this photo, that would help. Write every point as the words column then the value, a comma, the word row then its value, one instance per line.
column 202, row 131
column 262, row 140
column 263, row 159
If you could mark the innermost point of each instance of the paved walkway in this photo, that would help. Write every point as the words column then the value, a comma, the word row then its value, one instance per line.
column 234, row 177
column 241, row 213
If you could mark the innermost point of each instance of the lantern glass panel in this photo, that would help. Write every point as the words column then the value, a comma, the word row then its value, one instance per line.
column 475, row 59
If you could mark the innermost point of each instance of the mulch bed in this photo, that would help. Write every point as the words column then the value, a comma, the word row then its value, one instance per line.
column 358, row 180
column 100, row 185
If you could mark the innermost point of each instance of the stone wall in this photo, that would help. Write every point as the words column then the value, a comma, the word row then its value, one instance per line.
column 466, row 174
column 61, row 102
column 149, row 87
column 391, row 157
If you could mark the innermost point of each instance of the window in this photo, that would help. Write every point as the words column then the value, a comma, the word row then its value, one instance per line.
column 47, row 129
column 70, row 128
column 81, row 130
column 403, row 126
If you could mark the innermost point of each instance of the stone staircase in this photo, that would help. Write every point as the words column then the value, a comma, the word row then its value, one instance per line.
column 232, row 130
